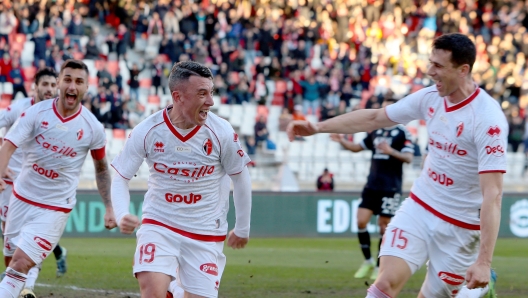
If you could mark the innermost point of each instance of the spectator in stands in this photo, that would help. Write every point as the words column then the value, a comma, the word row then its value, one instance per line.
column 60, row 32
column 105, row 78
column 260, row 90
column 40, row 38
column 310, row 95
column 133, row 82
column 157, row 69
column 5, row 67
column 261, row 130
column 92, row 52
column 8, row 22
column 325, row 182
column 123, row 37
column 76, row 31
column 17, row 78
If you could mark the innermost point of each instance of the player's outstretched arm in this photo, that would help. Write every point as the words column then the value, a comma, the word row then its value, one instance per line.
column 121, row 202
column 239, row 236
column 103, row 180
column 349, row 123
column 478, row 275
column 6, row 152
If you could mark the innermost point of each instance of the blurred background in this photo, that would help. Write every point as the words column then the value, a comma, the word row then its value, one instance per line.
column 273, row 61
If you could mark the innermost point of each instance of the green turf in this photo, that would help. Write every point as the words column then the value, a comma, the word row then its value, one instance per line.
column 266, row 268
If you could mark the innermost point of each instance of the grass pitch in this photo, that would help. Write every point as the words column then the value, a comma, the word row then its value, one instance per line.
column 297, row 267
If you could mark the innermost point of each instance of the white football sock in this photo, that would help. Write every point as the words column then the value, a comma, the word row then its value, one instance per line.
column 32, row 277
column 12, row 284
column 374, row 292
column 176, row 290
column 473, row 293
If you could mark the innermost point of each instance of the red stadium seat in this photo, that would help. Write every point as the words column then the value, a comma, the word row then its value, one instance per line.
column 51, row 32
column 99, row 64
column 20, row 38
column 93, row 81
column 29, row 72
column 113, row 67
column 5, row 102
column 154, row 99
column 119, row 134
column 145, row 83
column 78, row 55
column 278, row 96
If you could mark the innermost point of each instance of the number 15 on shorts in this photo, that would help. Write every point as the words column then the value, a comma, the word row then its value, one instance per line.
column 398, row 238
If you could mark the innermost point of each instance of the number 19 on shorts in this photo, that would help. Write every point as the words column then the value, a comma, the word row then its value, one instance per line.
column 146, row 253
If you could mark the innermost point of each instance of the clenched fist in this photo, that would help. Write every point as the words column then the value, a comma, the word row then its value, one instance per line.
column 128, row 224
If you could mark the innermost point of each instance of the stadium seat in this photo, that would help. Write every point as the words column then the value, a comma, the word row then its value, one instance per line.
column 30, row 72
column 112, row 67
column 78, row 55
column 236, row 115
column 7, row 88
column 99, row 64
column 119, row 134
column 28, row 52
column 281, row 87
column 224, row 111
column 51, row 32
column 93, row 81
column 145, row 83
column 154, row 99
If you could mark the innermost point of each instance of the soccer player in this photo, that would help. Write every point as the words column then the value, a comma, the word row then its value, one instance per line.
column 192, row 155
column 390, row 147
column 45, row 88
column 460, row 184
column 55, row 136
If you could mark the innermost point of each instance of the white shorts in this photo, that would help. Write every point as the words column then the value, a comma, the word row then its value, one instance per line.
column 34, row 230
column 417, row 235
column 196, row 265
column 5, row 195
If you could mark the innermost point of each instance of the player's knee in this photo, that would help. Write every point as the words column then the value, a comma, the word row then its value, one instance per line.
column 21, row 263
column 385, row 286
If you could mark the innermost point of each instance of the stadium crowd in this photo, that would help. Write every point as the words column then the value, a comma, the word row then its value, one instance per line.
column 316, row 57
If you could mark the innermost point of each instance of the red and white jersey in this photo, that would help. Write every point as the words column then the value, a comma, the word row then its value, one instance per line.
column 465, row 140
column 188, row 187
column 8, row 119
column 54, row 151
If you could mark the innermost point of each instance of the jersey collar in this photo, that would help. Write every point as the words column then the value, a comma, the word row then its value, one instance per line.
column 463, row 103
column 173, row 129
column 62, row 119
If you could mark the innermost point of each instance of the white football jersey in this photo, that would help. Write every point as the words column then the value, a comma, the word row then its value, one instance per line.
column 188, row 189
column 8, row 119
column 465, row 140
column 54, row 151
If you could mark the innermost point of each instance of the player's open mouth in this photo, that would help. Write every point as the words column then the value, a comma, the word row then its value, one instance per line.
column 203, row 114
column 48, row 95
column 71, row 98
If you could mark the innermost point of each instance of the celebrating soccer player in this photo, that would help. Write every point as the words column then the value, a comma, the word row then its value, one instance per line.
column 192, row 156
column 55, row 137
column 461, row 182
column 45, row 88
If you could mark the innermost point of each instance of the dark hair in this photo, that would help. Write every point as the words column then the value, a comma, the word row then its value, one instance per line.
column 463, row 50
column 46, row 71
column 74, row 64
column 391, row 100
column 182, row 71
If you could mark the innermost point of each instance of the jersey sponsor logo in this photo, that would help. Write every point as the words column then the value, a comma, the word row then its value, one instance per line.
column 60, row 149
column 235, row 137
column 440, row 178
column 447, row 147
column 209, row 268
column 47, row 173
column 451, row 278
column 44, row 124
column 459, row 129
column 496, row 149
column 43, row 243
column 196, row 172
column 430, row 112
column 159, row 147
column 240, row 152
column 183, row 149
column 61, row 127
column 187, row 199
column 207, row 147
column 493, row 131
column 80, row 134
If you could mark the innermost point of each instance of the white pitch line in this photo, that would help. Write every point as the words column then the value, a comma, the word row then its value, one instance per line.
column 88, row 290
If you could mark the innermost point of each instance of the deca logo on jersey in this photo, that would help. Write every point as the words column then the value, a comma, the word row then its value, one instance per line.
column 440, row 178
column 43, row 243
column 496, row 150
column 447, row 147
column 159, row 147
column 177, row 198
column 197, row 172
column 451, row 278
column 207, row 147
column 61, row 149
column 47, row 173
column 209, row 268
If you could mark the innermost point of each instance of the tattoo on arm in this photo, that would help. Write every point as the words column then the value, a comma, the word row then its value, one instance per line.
column 103, row 180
